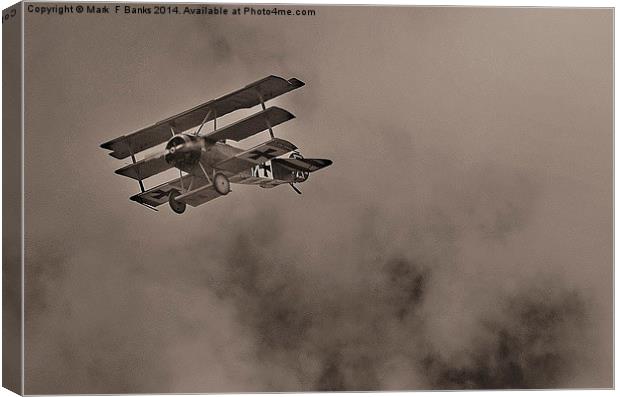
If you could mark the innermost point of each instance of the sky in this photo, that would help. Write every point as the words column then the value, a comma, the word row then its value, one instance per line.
column 461, row 239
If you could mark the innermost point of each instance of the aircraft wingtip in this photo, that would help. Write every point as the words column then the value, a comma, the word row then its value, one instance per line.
column 296, row 82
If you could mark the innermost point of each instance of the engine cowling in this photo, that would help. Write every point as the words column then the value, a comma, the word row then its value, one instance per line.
column 300, row 176
column 282, row 171
column 183, row 151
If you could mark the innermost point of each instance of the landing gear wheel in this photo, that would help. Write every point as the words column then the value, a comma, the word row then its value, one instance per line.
column 221, row 184
column 176, row 206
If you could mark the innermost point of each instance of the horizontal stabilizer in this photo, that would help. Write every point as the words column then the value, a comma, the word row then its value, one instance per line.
column 305, row 165
column 245, row 98
column 145, row 168
column 252, row 125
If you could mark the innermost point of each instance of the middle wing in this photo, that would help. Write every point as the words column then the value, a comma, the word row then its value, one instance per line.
column 145, row 168
column 251, row 125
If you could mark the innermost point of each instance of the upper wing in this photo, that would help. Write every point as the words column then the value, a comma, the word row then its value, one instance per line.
column 304, row 165
column 247, row 97
column 257, row 155
column 251, row 125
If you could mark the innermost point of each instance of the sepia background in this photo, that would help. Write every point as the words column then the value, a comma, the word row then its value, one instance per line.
column 461, row 239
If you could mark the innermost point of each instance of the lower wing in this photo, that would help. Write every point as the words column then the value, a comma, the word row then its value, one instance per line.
column 195, row 191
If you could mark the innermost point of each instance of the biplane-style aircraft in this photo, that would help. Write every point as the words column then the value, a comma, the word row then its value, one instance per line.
column 207, row 164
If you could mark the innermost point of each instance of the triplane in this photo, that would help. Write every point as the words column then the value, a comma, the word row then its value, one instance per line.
column 207, row 164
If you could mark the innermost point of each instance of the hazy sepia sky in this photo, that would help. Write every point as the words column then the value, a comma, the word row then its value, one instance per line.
column 461, row 239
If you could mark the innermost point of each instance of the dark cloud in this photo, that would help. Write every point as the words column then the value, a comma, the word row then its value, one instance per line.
column 350, row 333
column 531, row 345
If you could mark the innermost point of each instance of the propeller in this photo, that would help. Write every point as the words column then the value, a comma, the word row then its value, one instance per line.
column 297, row 155
column 295, row 188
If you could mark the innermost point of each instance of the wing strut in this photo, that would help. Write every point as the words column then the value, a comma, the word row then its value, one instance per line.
column 204, row 121
column 133, row 159
column 262, row 103
column 204, row 171
column 209, row 113
column 180, row 172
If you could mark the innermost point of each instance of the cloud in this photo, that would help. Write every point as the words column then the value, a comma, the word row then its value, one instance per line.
column 532, row 343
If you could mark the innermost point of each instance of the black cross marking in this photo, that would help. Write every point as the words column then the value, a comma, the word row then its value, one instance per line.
column 267, row 169
column 267, row 154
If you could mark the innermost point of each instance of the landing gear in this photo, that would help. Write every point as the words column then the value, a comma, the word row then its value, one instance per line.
column 221, row 183
column 176, row 206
